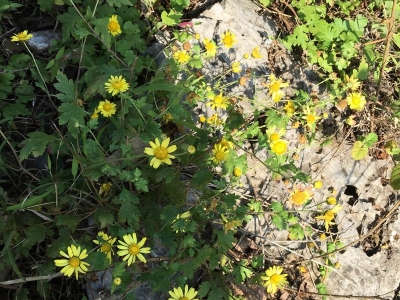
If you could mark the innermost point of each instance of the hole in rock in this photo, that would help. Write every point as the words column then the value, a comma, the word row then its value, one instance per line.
column 351, row 190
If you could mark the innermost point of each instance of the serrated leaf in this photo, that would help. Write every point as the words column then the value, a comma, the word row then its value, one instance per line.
column 279, row 221
column 296, row 232
column 359, row 151
column 395, row 177
column 103, row 216
column 276, row 207
column 118, row 3
column 66, row 87
column 35, row 235
column 370, row 139
column 73, row 115
column 36, row 144
column 241, row 272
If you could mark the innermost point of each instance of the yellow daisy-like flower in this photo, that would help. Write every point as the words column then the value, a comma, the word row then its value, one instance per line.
column 228, row 39
column 256, row 53
column 331, row 200
column 106, row 108
column 352, row 83
column 356, row 101
column 279, row 147
column 311, row 117
column 289, row 108
column 106, row 244
column 105, row 188
column 116, row 84
column 274, row 279
column 202, row 119
column 299, row 195
column 218, row 101
column 274, row 133
column 161, row 152
column 179, row 294
column 95, row 114
column 237, row 172
column 74, row 261
column 214, row 120
column 211, row 48
column 329, row 216
column 236, row 67
column 220, row 154
column 181, row 56
column 113, row 26
column 227, row 144
column 191, row 149
column 130, row 248
column 21, row 37
column 275, row 85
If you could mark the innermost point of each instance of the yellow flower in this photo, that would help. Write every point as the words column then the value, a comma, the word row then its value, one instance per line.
column 274, row 279
column 113, row 26
column 311, row 117
column 275, row 86
column 236, row 67
column 202, row 119
column 21, row 37
column 106, row 108
column 214, row 120
column 218, row 101
column 246, row 56
column 191, row 149
column 237, row 172
column 256, row 53
column 74, row 262
column 331, row 200
column 130, row 248
column 211, row 48
column 179, row 294
column 352, row 83
column 106, row 244
column 289, row 108
column 299, row 195
column 161, row 152
column 227, row 144
column 197, row 36
column 117, row 280
column 95, row 114
column 228, row 39
column 318, row 184
column 356, row 101
column 329, row 216
column 116, row 84
column 322, row 237
column 105, row 188
column 181, row 56
column 279, row 147
column 220, row 153
column 274, row 133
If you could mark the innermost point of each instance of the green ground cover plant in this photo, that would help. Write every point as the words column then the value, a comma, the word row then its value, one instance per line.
column 102, row 161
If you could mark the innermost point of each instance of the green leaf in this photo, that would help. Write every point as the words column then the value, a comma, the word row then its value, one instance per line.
column 225, row 241
column 296, row 232
column 370, row 139
column 29, row 202
column 103, row 216
column 73, row 115
column 36, row 235
column 118, row 3
column 280, row 221
column 363, row 70
column 69, row 220
column 359, row 151
column 36, row 144
column 66, row 87
column 395, row 177
column 46, row 5
column 170, row 19
column 98, row 260
column 241, row 272
column 276, row 207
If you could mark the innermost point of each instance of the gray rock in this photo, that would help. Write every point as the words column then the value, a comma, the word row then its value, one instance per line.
column 41, row 40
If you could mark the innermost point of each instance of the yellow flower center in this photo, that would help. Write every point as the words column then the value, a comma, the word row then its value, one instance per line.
column 21, row 36
column 228, row 40
column 133, row 249
column 218, row 99
column 117, row 281
column 311, row 118
column 275, row 86
column 220, row 155
column 105, row 247
column 74, row 262
column 237, row 172
column 161, row 153
column 280, row 147
column 117, row 84
column 355, row 100
column 299, row 197
column 113, row 26
column 274, row 137
column 275, row 279
column 329, row 216
column 107, row 107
